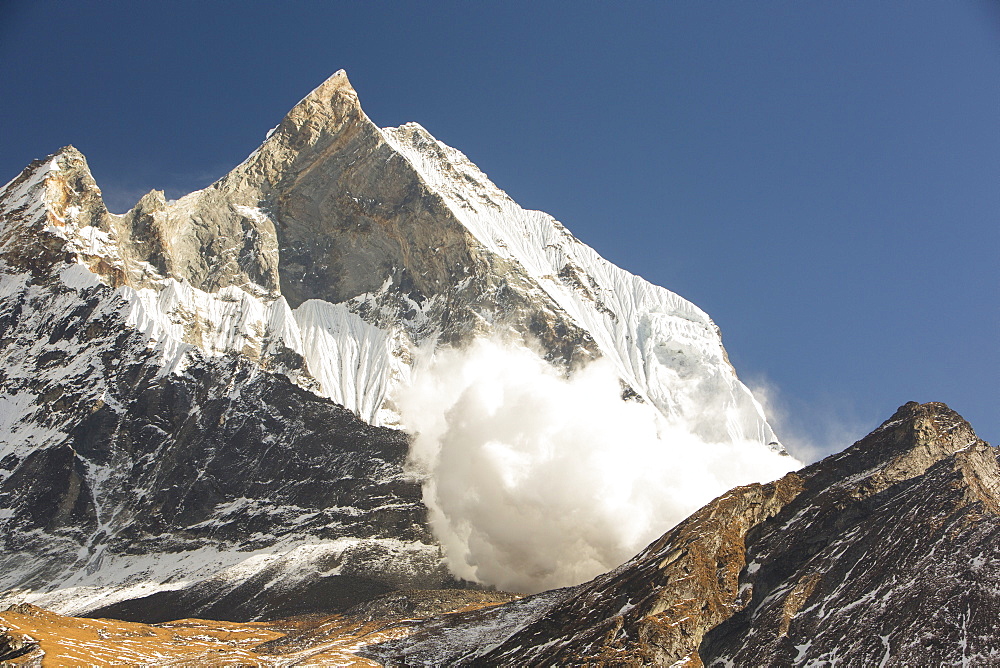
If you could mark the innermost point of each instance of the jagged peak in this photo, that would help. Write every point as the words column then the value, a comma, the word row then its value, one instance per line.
column 309, row 127
column 69, row 151
column 67, row 164
column 330, row 101
column 410, row 126
column 935, row 415
column 38, row 167
column 67, row 159
column 154, row 199
column 64, row 176
column 336, row 82
column 73, row 161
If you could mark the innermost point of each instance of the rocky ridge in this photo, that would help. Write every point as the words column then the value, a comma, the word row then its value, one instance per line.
column 884, row 554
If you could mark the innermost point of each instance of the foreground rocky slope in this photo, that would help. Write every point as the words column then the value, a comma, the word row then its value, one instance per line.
column 32, row 636
column 885, row 554
column 36, row 637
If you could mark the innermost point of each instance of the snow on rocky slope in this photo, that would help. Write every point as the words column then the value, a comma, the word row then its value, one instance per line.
column 172, row 378
column 884, row 554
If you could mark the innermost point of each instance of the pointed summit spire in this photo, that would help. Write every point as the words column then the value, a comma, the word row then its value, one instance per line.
column 307, row 130
column 337, row 81
column 327, row 106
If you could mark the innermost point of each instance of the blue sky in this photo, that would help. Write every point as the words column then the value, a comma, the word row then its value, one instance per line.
column 820, row 177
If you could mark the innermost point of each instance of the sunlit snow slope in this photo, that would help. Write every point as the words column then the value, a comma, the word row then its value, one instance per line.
column 664, row 347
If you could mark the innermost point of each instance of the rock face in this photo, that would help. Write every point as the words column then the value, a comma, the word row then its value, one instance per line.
column 118, row 476
column 193, row 395
column 884, row 554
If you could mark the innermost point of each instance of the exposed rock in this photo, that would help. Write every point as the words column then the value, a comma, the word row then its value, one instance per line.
column 419, row 604
column 897, row 561
column 316, row 640
column 19, row 648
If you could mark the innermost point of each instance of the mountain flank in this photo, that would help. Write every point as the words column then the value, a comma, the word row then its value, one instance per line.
column 199, row 418
column 884, row 554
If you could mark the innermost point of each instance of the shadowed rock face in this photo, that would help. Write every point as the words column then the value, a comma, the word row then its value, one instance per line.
column 149, row 468
column 887, row 550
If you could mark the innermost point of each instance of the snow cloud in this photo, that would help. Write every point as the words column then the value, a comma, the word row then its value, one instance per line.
column 535, row 480
column 814, row 430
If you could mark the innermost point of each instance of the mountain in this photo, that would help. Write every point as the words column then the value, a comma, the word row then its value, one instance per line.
column 884, row 554
column 196, row 397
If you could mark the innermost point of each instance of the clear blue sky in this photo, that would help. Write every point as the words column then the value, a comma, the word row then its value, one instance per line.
column 821, row 177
